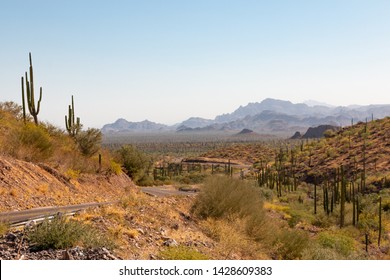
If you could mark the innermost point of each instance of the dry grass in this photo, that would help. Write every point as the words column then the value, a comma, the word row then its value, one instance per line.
column 232, row 239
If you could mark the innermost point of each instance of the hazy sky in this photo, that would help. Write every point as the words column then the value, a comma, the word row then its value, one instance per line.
column 169, row 60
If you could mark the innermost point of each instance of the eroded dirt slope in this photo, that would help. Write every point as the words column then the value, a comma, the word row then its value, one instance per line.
column 25, row 185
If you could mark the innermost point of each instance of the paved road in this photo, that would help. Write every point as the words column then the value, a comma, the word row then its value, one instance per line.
column 14, row 217
column 165, row 191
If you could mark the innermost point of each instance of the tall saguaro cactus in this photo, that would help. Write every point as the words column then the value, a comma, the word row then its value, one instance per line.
column 34, row 110
column 342, row 197
column 73, row 127
column 380, row 222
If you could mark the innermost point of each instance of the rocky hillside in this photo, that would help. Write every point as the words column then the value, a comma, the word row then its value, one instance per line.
column 25, row 185
column 355, row 147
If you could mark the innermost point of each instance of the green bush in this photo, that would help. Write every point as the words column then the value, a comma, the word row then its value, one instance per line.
column 30, row 142
column 329, row 133
column 192, row 178
column 145, row 181
column 89, row 141
column 61, row 233
column 181, row 253
column 342, row 244
column 134, row 162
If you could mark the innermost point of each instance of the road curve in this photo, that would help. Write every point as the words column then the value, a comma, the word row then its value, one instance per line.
column 14, row 217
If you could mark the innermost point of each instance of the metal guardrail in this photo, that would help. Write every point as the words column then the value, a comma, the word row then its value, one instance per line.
column 24, row 216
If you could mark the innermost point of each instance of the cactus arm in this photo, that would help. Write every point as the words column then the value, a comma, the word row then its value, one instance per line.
column 72, row 110
column 23, row 101
column 39, row 100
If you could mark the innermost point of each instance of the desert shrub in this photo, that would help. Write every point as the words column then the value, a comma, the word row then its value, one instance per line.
column 73, row 174
column 115, row 167
column 52, row 130
column 12, row 108
column 386, row 205
column 268, row 194
column 3, row 228
column 134, row 161
column 224, row 196
column 230, row 199
column 342, row 244
column 181, row 253
column 61, row 233
column 318, row 252
column 192, row 178
column 368, row 217
column 145, row 180
column 30, row 142
column 232, row 238
column 89, row 141
column 290, row 244
column 131, row 200
column 322, row 220
column 295, row 218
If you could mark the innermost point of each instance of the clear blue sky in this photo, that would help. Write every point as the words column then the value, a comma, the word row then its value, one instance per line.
column 169, row 60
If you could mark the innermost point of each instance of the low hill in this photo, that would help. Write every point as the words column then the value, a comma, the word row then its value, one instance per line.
column 315, row 132
column 246, row 131
column 195, row 122
column 361, row 147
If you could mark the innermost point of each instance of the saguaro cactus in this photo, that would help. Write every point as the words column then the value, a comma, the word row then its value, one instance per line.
column 34, row 110
column 315, row 196
column 342, row 197
column 73, row 127
column 380, row 222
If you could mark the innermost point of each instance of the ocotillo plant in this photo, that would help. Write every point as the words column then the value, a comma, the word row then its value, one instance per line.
column 73, row 127
column 34, row 110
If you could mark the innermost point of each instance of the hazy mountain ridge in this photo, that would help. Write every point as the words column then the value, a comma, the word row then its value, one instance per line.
column 195, row 122
column 268, row 116
column 122, row 125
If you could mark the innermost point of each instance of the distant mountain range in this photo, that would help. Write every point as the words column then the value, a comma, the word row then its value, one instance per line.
column 268, row 116
column 122, row 125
